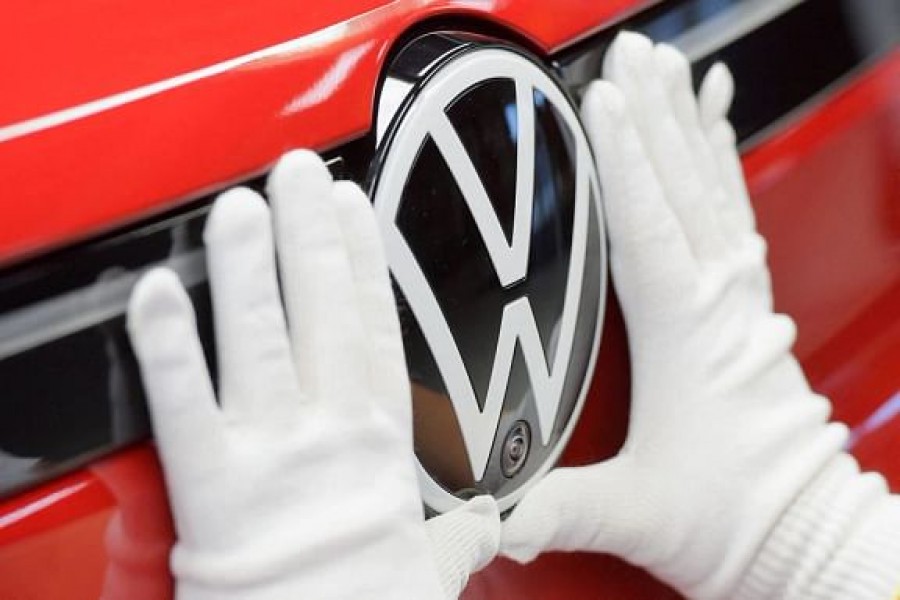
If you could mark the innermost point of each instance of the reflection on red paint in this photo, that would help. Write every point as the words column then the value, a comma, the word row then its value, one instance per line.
column 139, row 531
column 826, row 192
column 101, row 533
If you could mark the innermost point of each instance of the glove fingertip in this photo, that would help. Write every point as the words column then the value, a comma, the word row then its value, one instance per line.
column 532, row 525
column 632, row 45
column 464, row 541
column 484, row 523
column 349, row 194
column 716, row 95
column 163, row 331
column 603, row 96
column 470, row 533
column 622, row 51
column 159, row 294
column 673, row 64
column 237, row 213
column 296, row 170
column 518, row 541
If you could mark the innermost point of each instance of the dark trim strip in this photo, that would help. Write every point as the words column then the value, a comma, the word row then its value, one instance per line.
column 778, row 67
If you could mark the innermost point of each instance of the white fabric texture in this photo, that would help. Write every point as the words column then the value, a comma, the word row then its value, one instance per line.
column 301, row 483
column 728, row 481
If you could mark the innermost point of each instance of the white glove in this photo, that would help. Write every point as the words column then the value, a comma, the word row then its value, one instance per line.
column 731, row 483
column 301, row 483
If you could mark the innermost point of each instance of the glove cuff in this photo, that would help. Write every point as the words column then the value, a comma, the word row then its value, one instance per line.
column 839, row 539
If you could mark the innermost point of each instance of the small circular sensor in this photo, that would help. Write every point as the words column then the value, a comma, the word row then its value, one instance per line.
column 515, row 448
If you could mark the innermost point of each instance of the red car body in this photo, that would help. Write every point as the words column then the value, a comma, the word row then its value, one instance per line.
column 115, row 112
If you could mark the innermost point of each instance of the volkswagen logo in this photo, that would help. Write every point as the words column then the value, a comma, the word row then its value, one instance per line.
column 488, row 201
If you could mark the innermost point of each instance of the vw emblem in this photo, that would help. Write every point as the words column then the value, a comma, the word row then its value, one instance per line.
column 488, row 201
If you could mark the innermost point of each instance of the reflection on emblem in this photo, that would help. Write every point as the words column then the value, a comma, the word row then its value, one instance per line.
column 488, row 202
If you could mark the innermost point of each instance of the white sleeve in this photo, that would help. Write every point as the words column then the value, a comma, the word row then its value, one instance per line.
column 839, row 540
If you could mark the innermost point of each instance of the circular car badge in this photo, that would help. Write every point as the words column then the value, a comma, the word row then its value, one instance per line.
column 487, row 197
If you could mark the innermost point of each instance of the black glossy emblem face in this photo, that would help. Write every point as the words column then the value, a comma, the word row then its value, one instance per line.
column 488, row 202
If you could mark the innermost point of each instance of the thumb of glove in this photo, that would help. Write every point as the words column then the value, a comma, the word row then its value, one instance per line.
column 592, row 508
column 464, row 541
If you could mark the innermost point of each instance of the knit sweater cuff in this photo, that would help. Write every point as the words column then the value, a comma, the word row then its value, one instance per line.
column 840, row 539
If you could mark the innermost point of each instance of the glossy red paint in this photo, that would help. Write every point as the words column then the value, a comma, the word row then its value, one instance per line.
column 104, row 532
column 827, row 191
column 825, row 188
column 238, row 93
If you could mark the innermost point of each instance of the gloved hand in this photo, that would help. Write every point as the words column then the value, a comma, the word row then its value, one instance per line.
column 301, row 483
column 731, row 483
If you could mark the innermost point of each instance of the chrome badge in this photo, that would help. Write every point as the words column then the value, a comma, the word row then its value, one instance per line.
column 488, row 200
